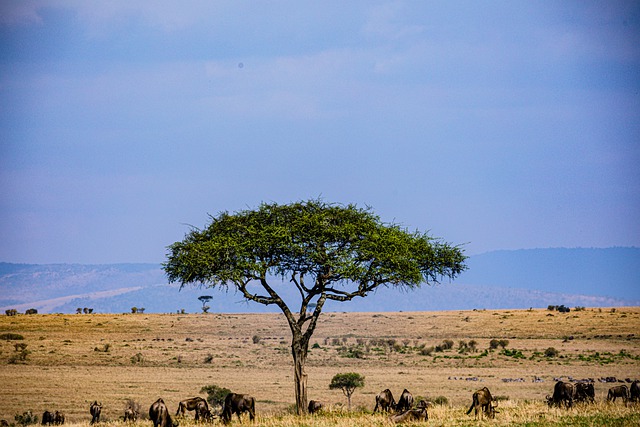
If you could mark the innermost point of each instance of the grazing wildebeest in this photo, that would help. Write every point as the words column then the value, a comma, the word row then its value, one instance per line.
column 405, row 402
column 483, row 402
column 130, row 414
column 58, row 418
column 314, row 406
column 47, row 418
column 585, row 392
column 202, row 411
column 618, row 391
column 562, row 393
column 95, row 409
column 191, row 405
column 237, row 404
column 635, row 391
column 417, row 414
column 385, row 401
column 159, row 414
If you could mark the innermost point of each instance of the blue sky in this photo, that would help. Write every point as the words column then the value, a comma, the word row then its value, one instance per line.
column 499, row 124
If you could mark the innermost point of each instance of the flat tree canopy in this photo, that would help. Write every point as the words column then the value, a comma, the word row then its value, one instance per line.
column 326, row 251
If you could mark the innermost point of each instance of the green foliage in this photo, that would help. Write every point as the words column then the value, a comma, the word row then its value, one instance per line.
column 349, row 380
column 440, row 400
column 331, row 243
column 215, row 394
column 513, row 353
column 551, row 352
column 11, row 336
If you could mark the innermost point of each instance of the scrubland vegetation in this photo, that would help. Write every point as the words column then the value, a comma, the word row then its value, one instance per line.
column 65, row 362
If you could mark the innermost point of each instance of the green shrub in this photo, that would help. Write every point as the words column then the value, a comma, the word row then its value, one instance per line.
column 551, row 352
column 11, row 336
column 215, row 394
column 440, row 400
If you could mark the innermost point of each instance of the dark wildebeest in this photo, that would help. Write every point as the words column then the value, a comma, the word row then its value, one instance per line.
column 405, row 402
column 159, row 414
column 202, row 411
column 314, row 406
column 237, row 404
column 95, row 409
column 562, row 393
column 385, row 401
column 58, row 418
column 483, row 402
column 130, row 414
column 635, row 391
column 191, row 405
column 618, row 391
column 417, row 414
column 47, row 418
column 585, row 392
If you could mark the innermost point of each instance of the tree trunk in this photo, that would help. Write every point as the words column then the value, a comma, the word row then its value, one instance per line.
column 299, row 351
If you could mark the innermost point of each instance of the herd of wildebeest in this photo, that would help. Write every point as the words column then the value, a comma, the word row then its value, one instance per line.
column 565, row 394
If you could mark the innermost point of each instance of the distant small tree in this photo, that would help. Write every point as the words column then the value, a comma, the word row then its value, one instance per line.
column 347, row 383
column 141, row 310
column 204, row 299
column 134, row 310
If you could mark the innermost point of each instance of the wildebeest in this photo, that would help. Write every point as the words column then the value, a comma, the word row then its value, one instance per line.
column 562, row 393
column 417, row 414
column 191, row 405
column 130, row 414
column 618, row 391
column 95, row 409
column 58, row 418
column 385, row 401
column 405, row 402
column 314, row 406
column 159, row 414
column 585, row 392
column 47, row 418
column 483, row 402
column 635, row 391
column 237, row 404
column 202, row 411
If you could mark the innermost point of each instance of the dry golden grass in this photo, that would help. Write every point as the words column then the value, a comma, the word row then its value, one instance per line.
column 68, row 366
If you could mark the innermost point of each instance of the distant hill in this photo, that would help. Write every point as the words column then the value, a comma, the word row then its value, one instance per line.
column 501, row 279
column 612, row 272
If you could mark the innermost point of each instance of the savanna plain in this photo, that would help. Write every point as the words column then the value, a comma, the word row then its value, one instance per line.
column 66, row 361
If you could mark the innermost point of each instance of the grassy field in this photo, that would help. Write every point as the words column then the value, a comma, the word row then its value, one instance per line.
column 71, row 360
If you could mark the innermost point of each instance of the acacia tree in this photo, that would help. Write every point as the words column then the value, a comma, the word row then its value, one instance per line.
column 326, row 251
column 347, row 383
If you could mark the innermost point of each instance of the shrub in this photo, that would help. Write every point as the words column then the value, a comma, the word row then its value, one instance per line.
column 209, row 358
column 11, row 312
column 440, row 400
column 256, row 339
column 447, row 344
column 426, row 351
column 11, row 336
column 551, row 352
column 138, row 358
column 215, row 394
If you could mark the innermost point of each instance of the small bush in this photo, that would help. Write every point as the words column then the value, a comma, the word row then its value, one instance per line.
column 11, row 336
column 215, row 394
column 256, row 339
column 447, row 344
column 551, row 352
column 209, row 358
column 138, row 358
column 426, row 351
column 440, row 400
